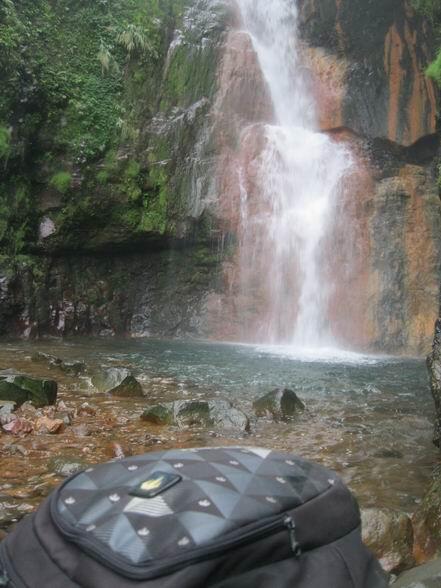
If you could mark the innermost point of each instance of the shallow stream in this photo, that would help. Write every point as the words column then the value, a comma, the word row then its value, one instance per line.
column 368, row 418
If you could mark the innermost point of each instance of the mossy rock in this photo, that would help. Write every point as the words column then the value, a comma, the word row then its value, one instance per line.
column 160, row 414
column 117, row 381
column 66, row 466
column 279, row 404
column 129, row 388
column 198, row 413
column 12, row 393
column 39, row 392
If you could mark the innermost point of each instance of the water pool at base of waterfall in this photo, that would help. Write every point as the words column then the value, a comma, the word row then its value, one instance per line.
column 367, row 418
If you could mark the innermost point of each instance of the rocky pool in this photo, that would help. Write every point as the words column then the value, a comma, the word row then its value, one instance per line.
column 369, row 418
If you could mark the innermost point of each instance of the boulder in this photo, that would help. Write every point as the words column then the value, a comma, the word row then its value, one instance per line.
column 427, row 522
column 12, row 393
column 24, row 388
column 117, row 381
column 426, row 576
column 44, row 425
column 7, row 409
column 159, row 414
column 199, row 413
column 66, row 466
column 389, row 535
column 74, row 368
column 279, row 404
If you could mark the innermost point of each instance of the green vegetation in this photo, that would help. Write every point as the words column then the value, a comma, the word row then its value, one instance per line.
column 5, row 141
column 81, row 83
column 431, row 9
column 61, row 181
column 78, row 80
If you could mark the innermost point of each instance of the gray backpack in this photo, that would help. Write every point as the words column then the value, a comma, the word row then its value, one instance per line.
column 213, row 517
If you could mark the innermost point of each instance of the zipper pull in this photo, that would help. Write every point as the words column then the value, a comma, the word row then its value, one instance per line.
column 295, row 546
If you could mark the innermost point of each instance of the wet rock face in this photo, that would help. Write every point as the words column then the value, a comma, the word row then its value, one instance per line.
column 427, row 522
column 159, row 293
column 379, row 50
column 434, row 366
column 389, row 535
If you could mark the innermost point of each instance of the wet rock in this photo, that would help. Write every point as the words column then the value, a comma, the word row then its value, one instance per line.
column 389, row 535
column 74, row 368
column 117, row 381
column 160, row 414
column 81, row 431
column 39, row 392
column 65, row 466
column 427, row 522
column 86, row 409
column 18, row 426
column 7, row 409
column 118, row 450
column 11, row 513
column 279, row 404
column 51, row 360
column 45, row 425
column 11, row 392
column 199, row 413
column 426, row 576
column 434, row 367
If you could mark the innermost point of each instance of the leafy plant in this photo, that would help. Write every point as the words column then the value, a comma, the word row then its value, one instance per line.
column 434, row 69
column 134, row 40
column 61, row 181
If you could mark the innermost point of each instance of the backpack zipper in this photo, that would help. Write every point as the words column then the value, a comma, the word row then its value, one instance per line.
column 295, row 545
column 173, row 564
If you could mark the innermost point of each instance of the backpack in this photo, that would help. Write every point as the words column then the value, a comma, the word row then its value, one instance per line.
column 232, row 517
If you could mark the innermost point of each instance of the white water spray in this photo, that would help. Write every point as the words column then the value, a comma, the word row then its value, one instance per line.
column 300, row 173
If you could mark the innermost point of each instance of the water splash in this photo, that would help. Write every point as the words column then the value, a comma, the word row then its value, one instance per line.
column 287, row 213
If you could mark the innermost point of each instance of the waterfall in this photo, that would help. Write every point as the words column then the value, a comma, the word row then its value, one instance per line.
column 287, row 215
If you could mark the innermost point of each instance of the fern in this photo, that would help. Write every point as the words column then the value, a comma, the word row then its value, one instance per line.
column 134, row 40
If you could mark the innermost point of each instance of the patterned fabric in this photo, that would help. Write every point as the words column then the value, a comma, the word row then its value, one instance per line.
column 222, row 490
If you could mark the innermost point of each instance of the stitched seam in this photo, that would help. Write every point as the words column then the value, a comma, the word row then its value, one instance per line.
column 50, row 556
column 345, row 563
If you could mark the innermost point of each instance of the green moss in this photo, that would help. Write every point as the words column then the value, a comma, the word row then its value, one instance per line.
column 61, row 181
column 434, row 69
column 5, row 141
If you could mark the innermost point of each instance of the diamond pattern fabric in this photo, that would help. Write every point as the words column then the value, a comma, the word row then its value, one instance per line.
column 222, row 490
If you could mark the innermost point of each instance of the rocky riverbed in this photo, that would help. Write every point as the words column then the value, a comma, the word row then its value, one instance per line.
column 110, row 404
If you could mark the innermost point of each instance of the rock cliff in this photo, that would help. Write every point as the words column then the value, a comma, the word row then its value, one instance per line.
column 119, row 200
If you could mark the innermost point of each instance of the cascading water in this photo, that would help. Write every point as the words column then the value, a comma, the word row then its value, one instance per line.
column 288, row 212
